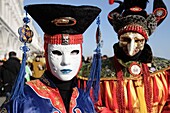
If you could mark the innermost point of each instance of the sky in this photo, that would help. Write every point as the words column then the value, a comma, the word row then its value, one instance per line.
column 159, row 40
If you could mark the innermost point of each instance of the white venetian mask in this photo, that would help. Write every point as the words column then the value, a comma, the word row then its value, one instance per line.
column 64, row 60
column 131, row 43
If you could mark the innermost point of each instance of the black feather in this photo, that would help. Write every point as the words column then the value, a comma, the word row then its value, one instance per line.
column 139, row 3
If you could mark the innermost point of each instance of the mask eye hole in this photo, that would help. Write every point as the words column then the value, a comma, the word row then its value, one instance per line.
column 139, row 40
column 128, row 40
column 75, row 52
column 125, row 39
column 56, row 52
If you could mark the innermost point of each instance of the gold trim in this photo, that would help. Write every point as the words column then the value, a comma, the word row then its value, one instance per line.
column 111, row 78
column 64, row 21
column 131, row 78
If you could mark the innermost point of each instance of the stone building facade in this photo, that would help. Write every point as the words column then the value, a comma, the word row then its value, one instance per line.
column 11, row 18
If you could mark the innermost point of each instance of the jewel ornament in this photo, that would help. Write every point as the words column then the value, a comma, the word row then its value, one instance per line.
column 135, row 69
column 25, row 33
column 136, row 9
column 160, row 13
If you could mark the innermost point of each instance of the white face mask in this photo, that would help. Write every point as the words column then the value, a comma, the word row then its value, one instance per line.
column 64, row 60
column 131, row 43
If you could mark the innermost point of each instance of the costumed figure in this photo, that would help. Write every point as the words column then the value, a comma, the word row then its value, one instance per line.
column 38, row 67
column 56, row 91
column 133, row 81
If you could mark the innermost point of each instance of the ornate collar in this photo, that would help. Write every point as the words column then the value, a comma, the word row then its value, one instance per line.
column 133, row 67
column 52, row 81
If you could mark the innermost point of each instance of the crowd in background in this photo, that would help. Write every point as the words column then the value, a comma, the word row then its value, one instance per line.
column 89, row 59
column 9, row 70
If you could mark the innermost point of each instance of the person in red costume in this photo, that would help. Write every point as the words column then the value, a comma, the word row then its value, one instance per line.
column 133, row 81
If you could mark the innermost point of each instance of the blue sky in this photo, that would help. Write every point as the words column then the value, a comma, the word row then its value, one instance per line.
column 159, row 40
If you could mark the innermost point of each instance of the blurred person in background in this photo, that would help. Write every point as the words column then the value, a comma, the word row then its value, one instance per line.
column 38, row 67
column 104, row 57
column 9, row 71
column 28, row 71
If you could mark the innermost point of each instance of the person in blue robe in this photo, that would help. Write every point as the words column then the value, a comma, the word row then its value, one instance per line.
column 56, row 91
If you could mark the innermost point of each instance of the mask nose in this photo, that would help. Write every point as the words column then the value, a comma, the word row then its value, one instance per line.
column 131, row 47
column 65, row 60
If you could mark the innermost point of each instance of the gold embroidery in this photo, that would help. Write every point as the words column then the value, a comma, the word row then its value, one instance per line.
column 138, row 83
column 57, row 102
column 48, row 92
column 136, row 110
column 72, row 103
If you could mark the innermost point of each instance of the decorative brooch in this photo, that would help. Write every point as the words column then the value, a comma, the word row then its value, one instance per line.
column 135, row 69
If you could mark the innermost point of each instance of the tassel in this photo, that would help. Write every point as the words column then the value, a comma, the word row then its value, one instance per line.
column 94, row 78
column 120, row 90
column 93, row 83
column 18, row 88
column 26, row 37
column 147, row 86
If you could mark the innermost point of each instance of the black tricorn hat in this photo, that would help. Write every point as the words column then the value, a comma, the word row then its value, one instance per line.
column 63, row 19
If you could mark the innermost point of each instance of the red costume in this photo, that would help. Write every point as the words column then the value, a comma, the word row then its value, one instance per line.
column 134, row 83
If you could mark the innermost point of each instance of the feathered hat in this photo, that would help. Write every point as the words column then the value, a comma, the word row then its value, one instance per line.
column 131, row 16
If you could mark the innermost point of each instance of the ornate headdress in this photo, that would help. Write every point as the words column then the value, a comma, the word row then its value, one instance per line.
column 62, row 24
column 130, row 16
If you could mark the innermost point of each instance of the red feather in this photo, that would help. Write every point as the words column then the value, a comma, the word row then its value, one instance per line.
column 111, row 1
